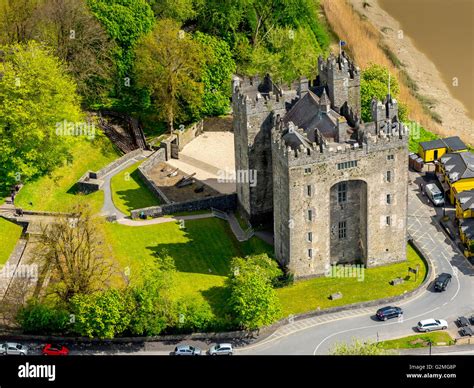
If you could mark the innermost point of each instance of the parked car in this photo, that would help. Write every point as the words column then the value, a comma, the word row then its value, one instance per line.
column 12, row 348
column 186, row 350
column 221, row 349
column 434, row 194
column 55, row 350
column 388, row 312
column 442, row 282
column 432, row 324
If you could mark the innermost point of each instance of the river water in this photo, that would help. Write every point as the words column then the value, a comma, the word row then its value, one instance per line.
column 444, row 31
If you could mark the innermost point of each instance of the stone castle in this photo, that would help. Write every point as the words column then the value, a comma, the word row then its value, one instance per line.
column 334, row 187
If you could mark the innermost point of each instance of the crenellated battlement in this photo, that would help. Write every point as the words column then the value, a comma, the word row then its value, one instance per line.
column 323, row 152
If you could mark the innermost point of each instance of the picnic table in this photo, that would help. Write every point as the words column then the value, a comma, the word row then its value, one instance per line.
column 462, row 322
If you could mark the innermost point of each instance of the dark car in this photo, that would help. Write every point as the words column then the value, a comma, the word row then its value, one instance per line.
column 389, row 312
column 442, row 282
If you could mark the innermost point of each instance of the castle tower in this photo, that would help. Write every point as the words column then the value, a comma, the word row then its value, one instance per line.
column 342, row 78
column 256, row 105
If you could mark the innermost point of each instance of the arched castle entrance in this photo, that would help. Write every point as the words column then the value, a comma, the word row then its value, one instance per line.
column 348, row 221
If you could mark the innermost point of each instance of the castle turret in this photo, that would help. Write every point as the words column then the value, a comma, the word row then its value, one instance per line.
column 342, row 78
column 256, row 105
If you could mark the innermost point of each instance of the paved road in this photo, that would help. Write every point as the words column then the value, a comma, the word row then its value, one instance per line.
column 319, row 335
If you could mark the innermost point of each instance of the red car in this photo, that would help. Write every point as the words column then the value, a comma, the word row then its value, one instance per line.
column 55, row 350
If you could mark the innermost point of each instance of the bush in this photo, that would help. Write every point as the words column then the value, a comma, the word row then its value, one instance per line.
column 194, row 315
column 38, row 318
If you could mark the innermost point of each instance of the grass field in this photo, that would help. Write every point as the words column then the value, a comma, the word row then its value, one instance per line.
column 202, row 252
column 417, row 341
column 9, row 235
column 130, row 192
column 57, row 192
column 310, row 294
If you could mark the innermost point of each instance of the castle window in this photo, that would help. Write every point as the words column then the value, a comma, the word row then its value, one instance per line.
column 310, row 253
column 342, row 230
column 341, row 192
column 390, row 157
column 389, row 176
column 308, row 190
column 388, row 220
column 310, row 215
column 307, row 170
column 389, row 199
column 310, row 236
column 345, row 165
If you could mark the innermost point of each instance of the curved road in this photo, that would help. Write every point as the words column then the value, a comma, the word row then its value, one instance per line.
column 319, row 335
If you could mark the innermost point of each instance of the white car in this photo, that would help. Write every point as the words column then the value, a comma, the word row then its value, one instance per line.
column 432, row 324
column 221, row 349
column 12, row 348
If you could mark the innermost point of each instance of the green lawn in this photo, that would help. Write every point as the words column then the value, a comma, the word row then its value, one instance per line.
column 310, row 294
column 419, row 136
column 418, row 341
column 201, row 251
column 57, row 192
column 9, row 235
column 129, row 192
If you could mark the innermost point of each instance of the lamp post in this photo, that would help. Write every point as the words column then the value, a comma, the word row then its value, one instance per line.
column 429, row 342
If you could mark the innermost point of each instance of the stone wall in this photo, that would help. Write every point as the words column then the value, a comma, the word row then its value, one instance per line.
column 157, row 157
column 218, row 124
column 117, row 163
column 189, row 134
column 385, row 241
column 222, row 202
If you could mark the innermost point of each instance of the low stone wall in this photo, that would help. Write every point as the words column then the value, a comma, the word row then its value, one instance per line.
column 157, row 157
column 88, row 185
column 222, row 202
column 218, row 124
column 189, row 134
column 112, row 166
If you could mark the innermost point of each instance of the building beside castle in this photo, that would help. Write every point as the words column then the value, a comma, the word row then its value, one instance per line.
column 334, row 187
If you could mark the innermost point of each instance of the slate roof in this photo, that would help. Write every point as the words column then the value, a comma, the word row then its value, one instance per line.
column 467, row 227
column 453, row 143
column 466, row 199
column 458, row 165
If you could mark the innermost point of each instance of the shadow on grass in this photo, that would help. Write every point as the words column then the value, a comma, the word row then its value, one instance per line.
column 139, row 197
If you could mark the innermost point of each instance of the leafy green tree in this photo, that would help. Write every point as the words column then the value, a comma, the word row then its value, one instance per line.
column 287, row 55
column 152, row 307
column 101, row 315
column 179, row 10
column 374, row 83
column 126, row 21
column 35, row 95
column 217, row 75
column 39, row 318
column 193, row 315
column 169, row 63
column 257, row 263
column 253, row 300
column 359, row 348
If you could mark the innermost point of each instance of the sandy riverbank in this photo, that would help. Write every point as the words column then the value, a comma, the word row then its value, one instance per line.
column 421, row 70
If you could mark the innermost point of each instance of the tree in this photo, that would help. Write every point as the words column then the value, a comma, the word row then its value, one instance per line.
column 126, row 21
column 16, row 20
column 78, row 39
column 374, row 83
column 253, row 300
column 179, row 10
column 194, row 315
column 35, row 95
column 152, row 307
column 39, row 318
column 73, row 251
column 101, row 315
column 169, row 63
column 287, row 55
column 359, row 348
column 217, row 75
